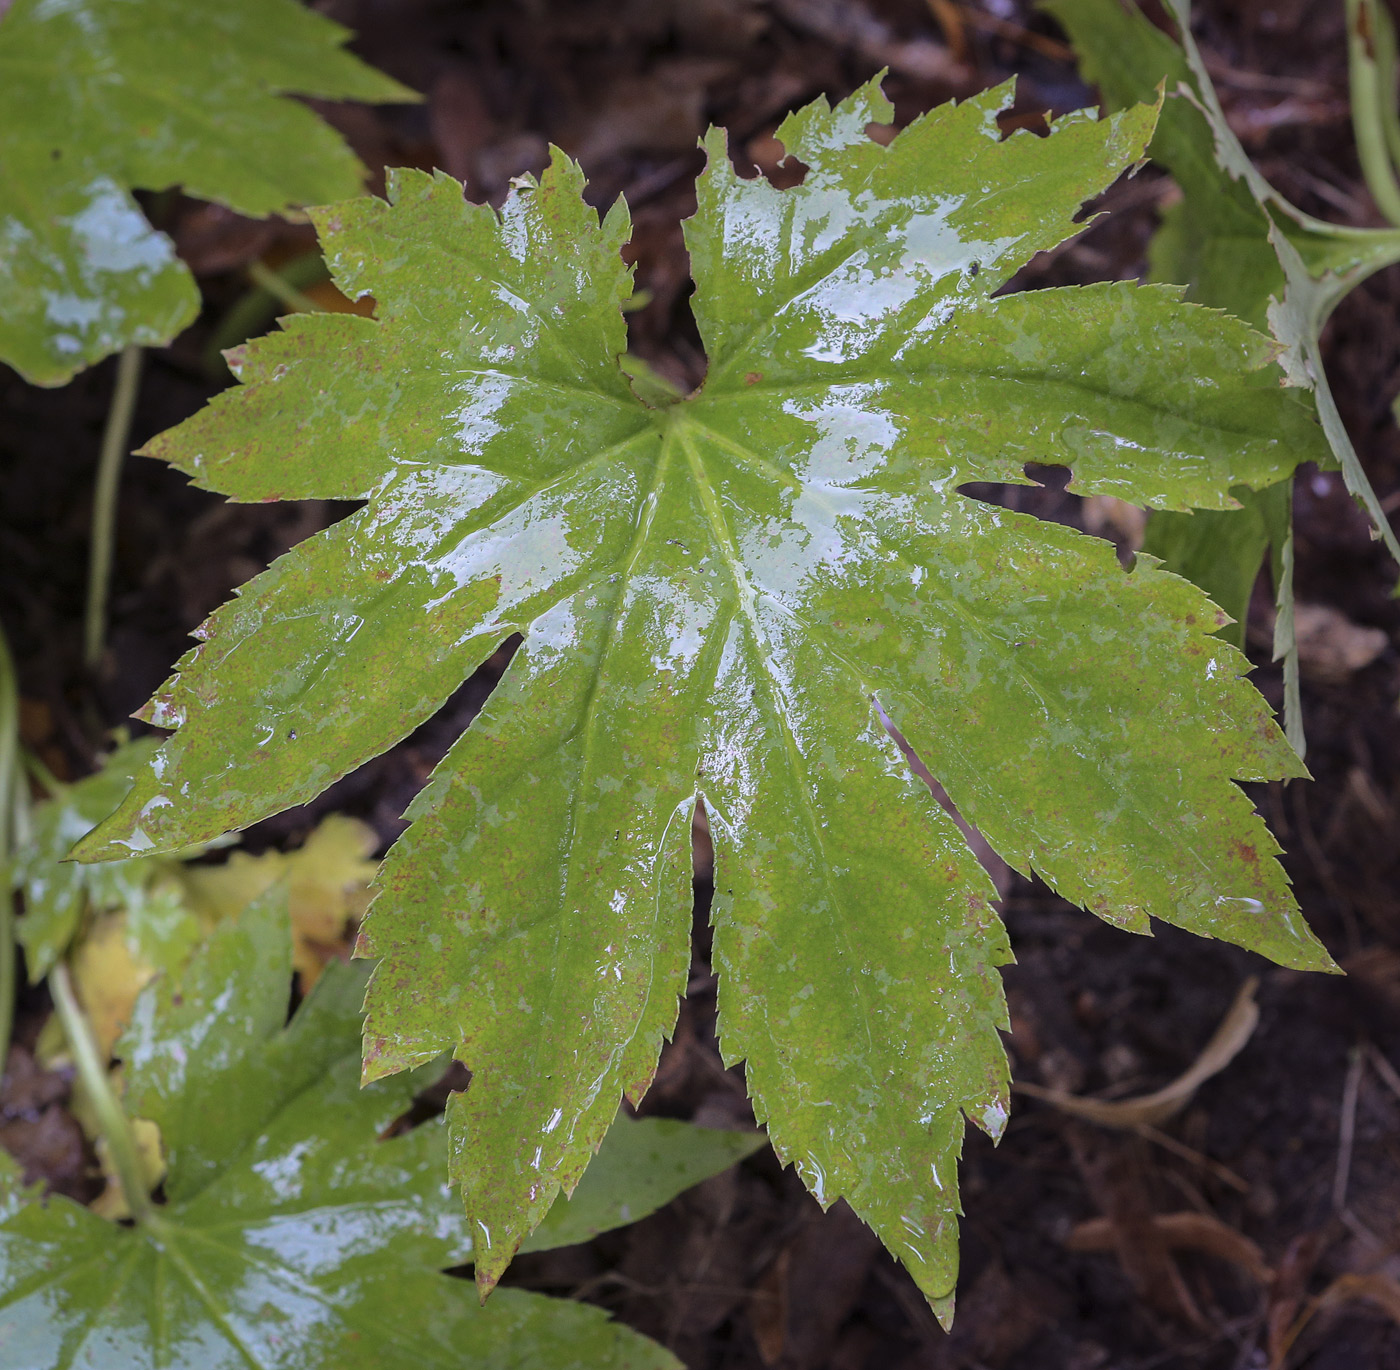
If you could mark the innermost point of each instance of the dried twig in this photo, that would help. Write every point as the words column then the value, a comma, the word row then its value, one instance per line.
column 1229, row 1038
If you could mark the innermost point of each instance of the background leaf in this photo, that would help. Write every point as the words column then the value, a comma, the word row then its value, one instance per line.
column 293, row 1237
column 154, row 94
column 327, row 883
column 58, row 892
column 642, row 1164
column 1215, row 241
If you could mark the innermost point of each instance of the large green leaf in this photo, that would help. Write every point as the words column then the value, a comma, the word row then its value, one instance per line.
column 722, row 598
column 292, row 1236
column 98, row 97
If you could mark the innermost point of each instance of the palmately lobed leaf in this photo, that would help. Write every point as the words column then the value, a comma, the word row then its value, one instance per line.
column 718, row 596
column 296, row 1235
column 98, row 97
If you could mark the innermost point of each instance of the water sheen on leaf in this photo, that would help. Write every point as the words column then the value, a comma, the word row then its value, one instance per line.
column 717, row 597
column 98, row 97
column 293, row 1237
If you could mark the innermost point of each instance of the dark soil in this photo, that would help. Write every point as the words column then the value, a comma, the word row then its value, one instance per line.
column 745, row 1271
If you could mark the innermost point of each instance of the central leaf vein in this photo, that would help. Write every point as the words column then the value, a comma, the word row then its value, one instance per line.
column 744, row 593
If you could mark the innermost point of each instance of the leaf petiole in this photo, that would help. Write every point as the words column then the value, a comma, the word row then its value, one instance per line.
column 281, row 289
column 112, row 1121
column 1371, row 54
column 115, row 437
column 11, row 788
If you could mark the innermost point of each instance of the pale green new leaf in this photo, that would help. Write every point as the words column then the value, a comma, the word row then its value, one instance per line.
column 100, row 97
column 718, row 597
column 293, row 1237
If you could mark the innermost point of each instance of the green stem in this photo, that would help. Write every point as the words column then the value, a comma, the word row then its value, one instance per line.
column 52, row 786
column 1371, row 52
column 281, row 289
column 11, row 788
column 92, row 1071
column 115, row 438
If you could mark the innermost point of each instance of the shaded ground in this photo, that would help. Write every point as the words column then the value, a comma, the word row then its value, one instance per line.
column 745, row 1271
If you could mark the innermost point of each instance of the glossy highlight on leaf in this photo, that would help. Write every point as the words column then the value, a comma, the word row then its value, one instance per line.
column 293, row 1237
column 722, row 597
column 99, row 97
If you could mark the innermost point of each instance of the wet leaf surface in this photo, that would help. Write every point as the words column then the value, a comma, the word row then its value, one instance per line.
column 292, row 1235
column 714, row 594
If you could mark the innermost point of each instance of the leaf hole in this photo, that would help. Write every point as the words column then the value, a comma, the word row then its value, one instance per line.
column 431, row 1102
column 1036, row 121
column 764, row 155
column 1042, row 491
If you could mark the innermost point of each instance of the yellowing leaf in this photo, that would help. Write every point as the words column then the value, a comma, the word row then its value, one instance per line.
column 327, row 887
column 108, row 976
column 112, row 1202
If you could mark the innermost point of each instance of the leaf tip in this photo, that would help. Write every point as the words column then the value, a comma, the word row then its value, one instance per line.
column 376, row 1061
column 113, row 840
column 1313, row 956
column 234, row 358
column 485, row 1283
column 991, row 1115
column 493, row 1255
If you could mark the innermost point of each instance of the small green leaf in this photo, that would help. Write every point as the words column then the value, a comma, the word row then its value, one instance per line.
column 57, row 892
column 98, row 97
column 723, row 598
column 642, row 1164
column 292, row 1238
column 1219, row 551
